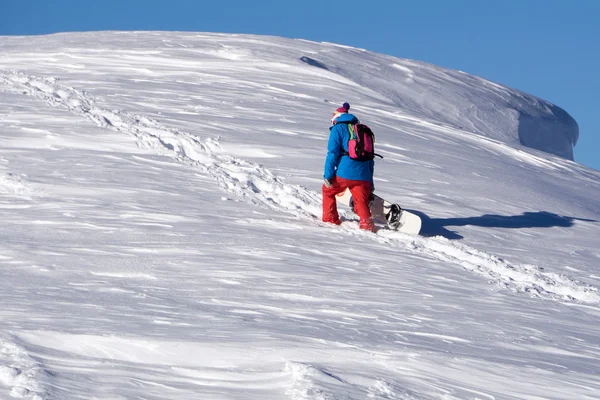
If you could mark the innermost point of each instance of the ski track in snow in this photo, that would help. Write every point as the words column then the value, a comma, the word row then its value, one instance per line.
column 259, row 186
column 18, row 372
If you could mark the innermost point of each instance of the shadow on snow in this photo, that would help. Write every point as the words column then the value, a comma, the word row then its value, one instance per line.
column 539, row 219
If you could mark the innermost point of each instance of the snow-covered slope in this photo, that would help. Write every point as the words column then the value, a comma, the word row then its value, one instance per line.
column 160, row 198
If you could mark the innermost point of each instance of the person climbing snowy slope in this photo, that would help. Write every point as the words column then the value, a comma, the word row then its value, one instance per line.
column 342, row 172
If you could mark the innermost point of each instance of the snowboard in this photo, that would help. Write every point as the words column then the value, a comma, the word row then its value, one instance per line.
column 386, row 213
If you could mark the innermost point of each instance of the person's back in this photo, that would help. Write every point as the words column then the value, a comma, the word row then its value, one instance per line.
column 342, row 172
column 337, row 148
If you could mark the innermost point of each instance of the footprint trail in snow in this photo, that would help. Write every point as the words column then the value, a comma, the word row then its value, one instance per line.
column 259, row 186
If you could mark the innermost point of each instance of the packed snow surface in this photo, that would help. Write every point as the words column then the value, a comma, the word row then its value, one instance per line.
column 161, row 234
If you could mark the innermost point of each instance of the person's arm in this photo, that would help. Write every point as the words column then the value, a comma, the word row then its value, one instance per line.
column 372, row 166
column 334, row 153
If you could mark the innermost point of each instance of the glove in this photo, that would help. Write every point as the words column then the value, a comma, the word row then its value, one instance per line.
column 328, row 183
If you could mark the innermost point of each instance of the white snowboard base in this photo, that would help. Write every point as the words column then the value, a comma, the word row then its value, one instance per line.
column 409, row 222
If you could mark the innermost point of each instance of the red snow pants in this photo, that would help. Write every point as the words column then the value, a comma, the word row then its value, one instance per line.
column 361, row 190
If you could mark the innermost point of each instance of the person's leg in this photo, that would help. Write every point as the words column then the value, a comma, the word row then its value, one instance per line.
column 361, row 191
column 330, row 212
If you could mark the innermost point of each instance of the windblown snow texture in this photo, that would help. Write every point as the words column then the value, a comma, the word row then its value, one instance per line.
column 161, row 237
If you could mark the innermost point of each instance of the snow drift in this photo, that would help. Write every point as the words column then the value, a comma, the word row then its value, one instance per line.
column 458, row 99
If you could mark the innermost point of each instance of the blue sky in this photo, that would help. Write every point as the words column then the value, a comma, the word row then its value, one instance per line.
column 549, row 48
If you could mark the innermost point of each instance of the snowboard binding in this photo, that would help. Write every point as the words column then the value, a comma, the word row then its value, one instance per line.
column 386, row 213
column 394, row 216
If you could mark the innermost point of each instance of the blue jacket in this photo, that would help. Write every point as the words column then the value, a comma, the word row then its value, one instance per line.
column 338, row 163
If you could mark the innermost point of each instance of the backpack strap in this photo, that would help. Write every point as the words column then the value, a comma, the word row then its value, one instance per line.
column 353, row 132
column 351, row 129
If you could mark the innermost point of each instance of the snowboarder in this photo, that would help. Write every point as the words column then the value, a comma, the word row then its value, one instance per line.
column 342, row 172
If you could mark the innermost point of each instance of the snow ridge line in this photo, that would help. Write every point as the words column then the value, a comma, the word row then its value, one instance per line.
column 18, row 372
column 259, row 186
